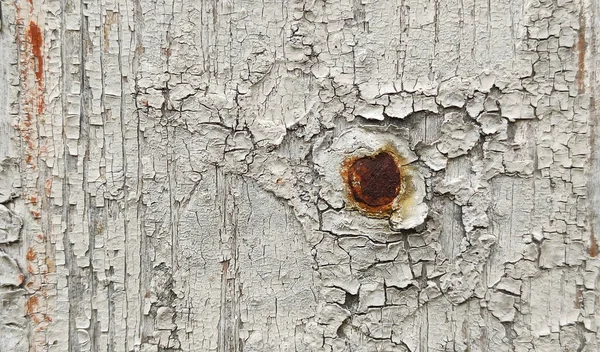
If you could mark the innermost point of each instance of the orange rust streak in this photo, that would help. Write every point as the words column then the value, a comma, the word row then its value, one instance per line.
column 32, row 305
column 36, row 41
column 31, row 254
column 593, row 245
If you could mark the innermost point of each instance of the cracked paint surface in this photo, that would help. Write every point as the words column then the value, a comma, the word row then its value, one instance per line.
column 170, row 175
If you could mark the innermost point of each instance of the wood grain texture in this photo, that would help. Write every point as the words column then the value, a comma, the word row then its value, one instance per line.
column 170, row 175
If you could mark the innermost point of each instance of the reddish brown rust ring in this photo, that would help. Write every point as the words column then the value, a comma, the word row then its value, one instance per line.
column 374, row 180
column 377, row 184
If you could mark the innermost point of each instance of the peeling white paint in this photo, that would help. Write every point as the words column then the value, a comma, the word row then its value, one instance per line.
column 170, row 176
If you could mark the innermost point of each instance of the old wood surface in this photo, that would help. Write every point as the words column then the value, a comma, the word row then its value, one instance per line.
column 172, row 175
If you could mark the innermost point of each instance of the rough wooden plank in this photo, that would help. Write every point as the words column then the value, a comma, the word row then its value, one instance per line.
column 170, row 175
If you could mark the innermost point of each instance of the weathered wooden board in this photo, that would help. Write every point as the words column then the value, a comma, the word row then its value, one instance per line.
column 183, row 176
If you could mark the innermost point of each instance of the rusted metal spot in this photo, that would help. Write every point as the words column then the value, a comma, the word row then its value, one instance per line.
column 374, row 180
column 376, row 184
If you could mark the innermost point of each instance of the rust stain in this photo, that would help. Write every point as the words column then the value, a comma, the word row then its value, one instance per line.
column 581, row 47
column 32, row 79
column 36, row 41
column 31, row 255
column 31, row 305
column 31, row 308
column 377, row 184
column 374, row 180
